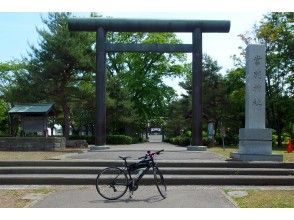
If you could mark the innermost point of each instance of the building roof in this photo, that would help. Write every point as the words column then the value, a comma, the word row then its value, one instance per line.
column 31, row 108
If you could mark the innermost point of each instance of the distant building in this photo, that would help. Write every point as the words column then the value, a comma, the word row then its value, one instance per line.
column 155, row 131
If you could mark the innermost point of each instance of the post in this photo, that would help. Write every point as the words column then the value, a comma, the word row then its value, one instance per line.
column 100, row 129
column 196, row 87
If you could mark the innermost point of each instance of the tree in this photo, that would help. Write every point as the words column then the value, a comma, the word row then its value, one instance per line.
column 141, row 76
column 234, row 83
column 122, row 117
column 8, row 73
column 4, row 120
column 61, row 60
column 7, row 77
column 61, row 69
column 214, row 99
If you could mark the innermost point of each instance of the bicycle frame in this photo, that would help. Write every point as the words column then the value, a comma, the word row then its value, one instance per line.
column 149, row 163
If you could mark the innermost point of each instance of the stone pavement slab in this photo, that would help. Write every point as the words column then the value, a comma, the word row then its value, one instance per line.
column 144, row 197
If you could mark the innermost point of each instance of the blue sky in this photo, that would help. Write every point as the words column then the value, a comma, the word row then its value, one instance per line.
column 18, row 30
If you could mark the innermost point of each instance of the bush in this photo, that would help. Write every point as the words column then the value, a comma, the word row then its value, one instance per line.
column 110, row 139
column 89, row 139
column 179, row 140
column 231, row 139
column 119, row 139
column 137, row 139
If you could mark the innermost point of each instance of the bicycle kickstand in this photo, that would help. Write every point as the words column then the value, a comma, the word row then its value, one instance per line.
column 131, row 192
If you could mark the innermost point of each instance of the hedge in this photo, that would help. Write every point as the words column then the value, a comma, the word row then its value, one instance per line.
column 179, row 140
column 119, row 139
column 110, row 139
column 89, row 139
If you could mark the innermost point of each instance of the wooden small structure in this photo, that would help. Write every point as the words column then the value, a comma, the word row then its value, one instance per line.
column 33, row 117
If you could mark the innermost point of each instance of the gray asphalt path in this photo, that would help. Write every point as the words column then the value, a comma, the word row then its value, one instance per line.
column 144, row 197
column 155, row 138
column 171, row 152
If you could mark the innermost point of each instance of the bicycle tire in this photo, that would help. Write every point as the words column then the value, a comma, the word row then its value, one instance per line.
column 112, row 183
column 159, row 182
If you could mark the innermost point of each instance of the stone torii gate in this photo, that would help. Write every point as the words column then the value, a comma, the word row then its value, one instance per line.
column 196, row 27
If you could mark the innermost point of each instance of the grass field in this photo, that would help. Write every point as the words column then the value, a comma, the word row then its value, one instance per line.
column 35, row 155
column 288, row 157
column 267, row 199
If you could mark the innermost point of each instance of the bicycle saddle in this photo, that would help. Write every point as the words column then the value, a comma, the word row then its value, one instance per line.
column 124, row 158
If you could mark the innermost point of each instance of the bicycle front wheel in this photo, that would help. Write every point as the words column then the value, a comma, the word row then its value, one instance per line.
column 159, row 182
column 112, row 183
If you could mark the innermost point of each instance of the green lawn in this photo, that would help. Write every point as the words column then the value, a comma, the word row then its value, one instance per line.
column 266, row 199
column 288, row 157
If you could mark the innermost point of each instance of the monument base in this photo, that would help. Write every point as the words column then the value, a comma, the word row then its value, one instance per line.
column 196, row 148
column 257, row 157
column 97, row 148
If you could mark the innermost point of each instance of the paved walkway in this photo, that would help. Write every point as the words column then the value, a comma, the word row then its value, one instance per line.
column 171, row 152
column 145, row 196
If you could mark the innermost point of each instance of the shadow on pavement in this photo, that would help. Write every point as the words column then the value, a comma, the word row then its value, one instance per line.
column 151, row 199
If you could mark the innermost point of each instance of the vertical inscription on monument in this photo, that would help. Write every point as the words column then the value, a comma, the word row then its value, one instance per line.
column 255, row 87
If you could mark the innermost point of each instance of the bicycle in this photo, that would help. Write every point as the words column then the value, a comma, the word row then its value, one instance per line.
column 113, row 182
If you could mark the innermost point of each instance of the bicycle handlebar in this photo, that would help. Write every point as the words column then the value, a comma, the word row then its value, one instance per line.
column 150, row 154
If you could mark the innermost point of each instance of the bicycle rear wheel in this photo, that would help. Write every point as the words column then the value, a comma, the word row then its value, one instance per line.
column 112, row 183
column 159, row 182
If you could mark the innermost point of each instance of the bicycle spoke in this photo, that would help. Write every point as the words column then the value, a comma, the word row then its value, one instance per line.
column 111, row 183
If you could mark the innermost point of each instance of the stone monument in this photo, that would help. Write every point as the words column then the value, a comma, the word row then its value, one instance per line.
column 255, row 141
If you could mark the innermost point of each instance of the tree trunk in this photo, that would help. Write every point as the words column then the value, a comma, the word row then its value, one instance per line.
column 92, row 130
column 52, row 130
column 66, row 112
column 215, row 130
column 87, row 129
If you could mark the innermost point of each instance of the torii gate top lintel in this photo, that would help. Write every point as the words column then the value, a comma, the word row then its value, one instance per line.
column 148, row 25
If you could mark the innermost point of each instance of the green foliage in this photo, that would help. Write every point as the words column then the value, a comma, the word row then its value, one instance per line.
column 177, row 121
column 215, row 100
column 4, row 121
column 122, row 117
column 137, row 139
column 119, row 139
column 111, row 139
column 6, row 73
column 56, row 69
column 179, row 140
column 142, row 76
